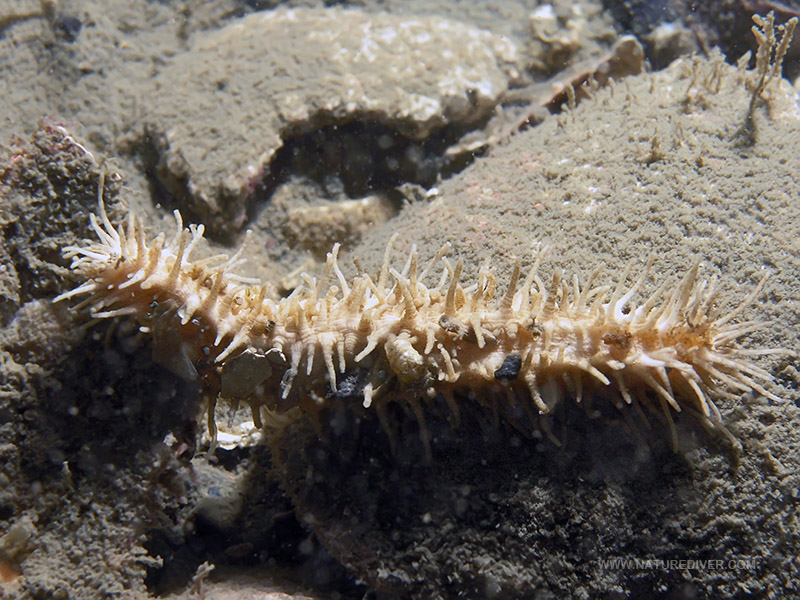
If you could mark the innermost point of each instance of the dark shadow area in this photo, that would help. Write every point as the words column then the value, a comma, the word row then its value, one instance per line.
column 262, row 531
column 350, row 159
column 409, row 525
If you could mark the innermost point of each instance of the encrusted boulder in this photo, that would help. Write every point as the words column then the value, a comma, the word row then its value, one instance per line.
column 221, row 110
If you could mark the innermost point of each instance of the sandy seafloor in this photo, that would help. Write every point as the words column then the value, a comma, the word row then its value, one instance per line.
column 106, row 490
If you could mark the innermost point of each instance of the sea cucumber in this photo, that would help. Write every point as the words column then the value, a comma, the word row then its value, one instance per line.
column 395, row 339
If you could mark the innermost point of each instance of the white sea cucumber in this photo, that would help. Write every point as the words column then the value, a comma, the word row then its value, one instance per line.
column 396, row 339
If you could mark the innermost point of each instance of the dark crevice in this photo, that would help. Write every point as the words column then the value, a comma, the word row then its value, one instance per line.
column 355, row 158
column 723, row 23
column 263, row 533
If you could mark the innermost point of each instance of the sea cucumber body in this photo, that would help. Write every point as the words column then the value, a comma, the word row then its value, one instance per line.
column 372, row 342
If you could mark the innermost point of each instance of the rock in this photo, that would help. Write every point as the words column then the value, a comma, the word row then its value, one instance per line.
column 48, row 186
column 319, row 227
column 647, row 166
column 221, row 110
